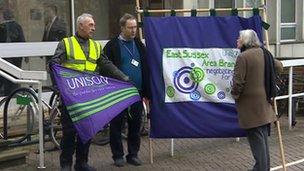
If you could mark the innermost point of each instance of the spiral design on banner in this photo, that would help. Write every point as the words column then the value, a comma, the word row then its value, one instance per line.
column 195, row 95
column 209, row 88
column 183, row 81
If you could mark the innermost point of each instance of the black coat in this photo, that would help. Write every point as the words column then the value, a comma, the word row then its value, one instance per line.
column 13, row 30
column 112, row 51
column 57, row 31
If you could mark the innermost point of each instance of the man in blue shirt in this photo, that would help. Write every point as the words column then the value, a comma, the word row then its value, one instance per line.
column 128, row 53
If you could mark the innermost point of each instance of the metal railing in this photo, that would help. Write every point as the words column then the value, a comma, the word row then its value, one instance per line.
column 291, row 64
column 19, row 76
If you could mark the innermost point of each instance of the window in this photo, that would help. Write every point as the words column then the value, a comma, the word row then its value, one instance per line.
column 224, row 4
column 251, row 4
column 36, row 18
column 100, row 11
column 288, row 20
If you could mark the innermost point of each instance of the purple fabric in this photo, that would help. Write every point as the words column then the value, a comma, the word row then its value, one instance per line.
column 79, row 87
column 191, row 119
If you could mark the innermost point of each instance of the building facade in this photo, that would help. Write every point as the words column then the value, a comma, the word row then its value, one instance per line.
column 285, row 17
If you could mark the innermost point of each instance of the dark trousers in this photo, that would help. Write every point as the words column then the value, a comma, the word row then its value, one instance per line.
column 134, row 121
column 6, row 86
column 257, row 138
column 68, row 143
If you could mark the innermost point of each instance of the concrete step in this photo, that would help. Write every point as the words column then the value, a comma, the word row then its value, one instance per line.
column 13, row 157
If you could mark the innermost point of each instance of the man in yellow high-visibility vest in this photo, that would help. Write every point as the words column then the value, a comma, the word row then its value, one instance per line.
column 81, row 53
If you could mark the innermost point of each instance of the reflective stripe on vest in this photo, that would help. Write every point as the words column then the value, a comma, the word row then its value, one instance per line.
column 76, row 58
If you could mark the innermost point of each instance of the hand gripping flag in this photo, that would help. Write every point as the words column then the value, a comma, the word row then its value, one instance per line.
column 192, row 59
column 92, row 100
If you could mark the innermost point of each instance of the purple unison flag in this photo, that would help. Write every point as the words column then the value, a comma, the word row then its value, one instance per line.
column 92, row 100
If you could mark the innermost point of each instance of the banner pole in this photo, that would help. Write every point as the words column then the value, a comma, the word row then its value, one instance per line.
column 189, row 10
column 150, row 144
column 40, row 126
column 137, row 9
column 172, row 147
column 151, row 150
column 280, row 137
column 275, row 103
column 265, row 20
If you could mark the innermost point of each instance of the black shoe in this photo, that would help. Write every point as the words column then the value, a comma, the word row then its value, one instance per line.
column 134, row 161
column 83, row 167
column 144, row 132
column 293, row 124
column 66, row 168
column 119, row 162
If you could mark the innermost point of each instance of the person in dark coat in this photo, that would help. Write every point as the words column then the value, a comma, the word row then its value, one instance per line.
column 128, row 53
column 253, row 85
column 10, row 31
column 55, row 27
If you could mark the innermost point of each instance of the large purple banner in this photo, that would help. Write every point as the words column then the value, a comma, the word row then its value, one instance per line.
column 192, row 59
column 92, row 100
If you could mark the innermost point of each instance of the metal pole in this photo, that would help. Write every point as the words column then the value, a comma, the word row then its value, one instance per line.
column 172, row 147
column 290, row 97
column 41, row 150
column 211, row 4
column 198, row 10
column 278, row 29
column 73, row 16
column 151, row 150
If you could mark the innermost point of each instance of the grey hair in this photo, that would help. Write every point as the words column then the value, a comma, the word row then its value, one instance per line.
column 249, row 38
column 124, row 18
column 82, row 17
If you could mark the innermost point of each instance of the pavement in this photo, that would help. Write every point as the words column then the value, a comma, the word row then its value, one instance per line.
column 216, row 154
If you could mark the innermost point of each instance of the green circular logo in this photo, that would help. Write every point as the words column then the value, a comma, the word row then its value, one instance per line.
column 170, row 91
column 209, row 88
column 197, row 74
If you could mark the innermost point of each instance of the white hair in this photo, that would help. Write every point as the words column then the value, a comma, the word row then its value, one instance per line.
column 82, row 17
column 249, row 38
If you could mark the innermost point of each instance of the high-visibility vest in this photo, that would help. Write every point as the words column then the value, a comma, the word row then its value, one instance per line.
column 76, row 58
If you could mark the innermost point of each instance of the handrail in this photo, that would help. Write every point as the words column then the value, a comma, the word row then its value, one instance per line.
column 22, row 74
column 26, row 49
column 24, row 77
column 292, row 62
column 8, row 50
column 290, row 95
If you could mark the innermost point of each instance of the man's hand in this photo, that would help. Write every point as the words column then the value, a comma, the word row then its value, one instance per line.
column 146, row 104
column 126, row 79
